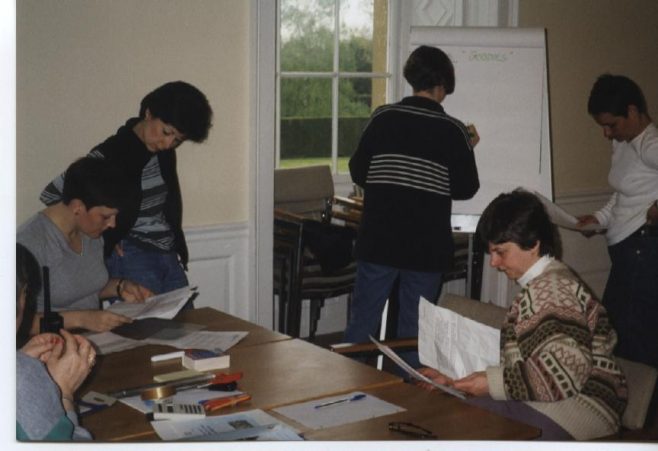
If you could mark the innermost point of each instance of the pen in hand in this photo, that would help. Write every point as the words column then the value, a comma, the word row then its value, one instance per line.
column 340, row 401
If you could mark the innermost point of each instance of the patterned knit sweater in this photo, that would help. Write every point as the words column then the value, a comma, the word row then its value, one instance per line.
column 556, row 354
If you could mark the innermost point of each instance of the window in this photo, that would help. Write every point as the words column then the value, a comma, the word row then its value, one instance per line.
column 332, row 72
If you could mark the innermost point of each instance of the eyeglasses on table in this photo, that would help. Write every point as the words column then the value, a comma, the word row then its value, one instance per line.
column 410, row 429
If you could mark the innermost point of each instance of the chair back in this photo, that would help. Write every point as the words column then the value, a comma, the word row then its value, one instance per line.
column 641, row 381
column 307, row 191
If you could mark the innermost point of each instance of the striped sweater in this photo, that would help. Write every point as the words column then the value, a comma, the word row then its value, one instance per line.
column 556, row 354
column 412, row 160
column 153, row 214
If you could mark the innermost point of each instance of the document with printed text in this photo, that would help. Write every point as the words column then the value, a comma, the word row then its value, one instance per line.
column 453, row 344
column 165, row 305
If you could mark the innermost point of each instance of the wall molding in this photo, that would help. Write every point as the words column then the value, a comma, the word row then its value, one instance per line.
column 219, row 265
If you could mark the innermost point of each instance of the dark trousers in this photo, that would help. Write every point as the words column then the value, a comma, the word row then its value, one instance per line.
column 373, row 287
column 631, row 295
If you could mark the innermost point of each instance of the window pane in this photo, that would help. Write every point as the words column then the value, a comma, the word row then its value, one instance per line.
column 358, row 97
column 305, row 121
column 363, row 25
column 307, row 35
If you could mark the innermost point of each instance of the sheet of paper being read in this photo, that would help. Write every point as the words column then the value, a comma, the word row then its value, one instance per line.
column 165, row 305
column 561, row 218
column 453, row 344
column 388, row 352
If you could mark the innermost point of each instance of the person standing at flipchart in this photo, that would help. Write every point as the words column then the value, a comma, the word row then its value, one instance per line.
column 617, row 104
column 412, row 160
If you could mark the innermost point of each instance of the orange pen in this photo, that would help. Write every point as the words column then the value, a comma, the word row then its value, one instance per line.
column 220, row 403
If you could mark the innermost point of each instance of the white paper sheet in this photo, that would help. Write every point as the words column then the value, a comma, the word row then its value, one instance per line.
column 563, row 219
column 165, row 305
column 252, row 425
column 453, row 344
column 412, row 372
column 307, row 414
column 218, row 341
column 203, row 339
column 107, row 342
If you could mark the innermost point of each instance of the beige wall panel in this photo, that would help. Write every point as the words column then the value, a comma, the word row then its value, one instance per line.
column 585, row 39
column 84, row 65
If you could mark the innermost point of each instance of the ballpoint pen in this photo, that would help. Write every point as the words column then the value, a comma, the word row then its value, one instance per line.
column 340, row 401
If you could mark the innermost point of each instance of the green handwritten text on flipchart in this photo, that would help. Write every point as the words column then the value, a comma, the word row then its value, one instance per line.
column 485, row 57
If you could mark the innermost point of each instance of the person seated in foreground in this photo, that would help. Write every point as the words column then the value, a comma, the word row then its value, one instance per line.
column 557, row 371
column 66, row 237
column 49, row 368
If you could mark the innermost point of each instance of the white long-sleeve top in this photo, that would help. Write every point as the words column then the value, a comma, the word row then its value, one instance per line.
column 634, row 177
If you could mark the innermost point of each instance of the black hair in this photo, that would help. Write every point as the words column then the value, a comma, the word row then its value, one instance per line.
column 614, row 94
column 519, row 217
column 28, row 278
column 95, row 182
column 428, row 67
column 182, row 106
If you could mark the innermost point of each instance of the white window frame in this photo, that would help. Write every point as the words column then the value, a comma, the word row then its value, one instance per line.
column 343, row 183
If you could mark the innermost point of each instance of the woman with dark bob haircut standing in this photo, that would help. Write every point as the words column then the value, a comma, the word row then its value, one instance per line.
column 556, row 370
column 147, row 245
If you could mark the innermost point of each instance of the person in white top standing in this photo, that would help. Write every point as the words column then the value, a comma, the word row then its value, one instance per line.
column 617, row 104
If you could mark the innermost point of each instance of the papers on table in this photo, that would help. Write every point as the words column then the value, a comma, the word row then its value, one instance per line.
column 107, row 342
column 453, row 344
column 165, row 305
column 412, row 372
column 203, row 339
column 563, row 219
column 249, row 425
column 308, row 414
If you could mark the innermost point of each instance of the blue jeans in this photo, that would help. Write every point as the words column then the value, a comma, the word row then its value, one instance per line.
column 631, row 297
column 160, row 272
column 372, row 288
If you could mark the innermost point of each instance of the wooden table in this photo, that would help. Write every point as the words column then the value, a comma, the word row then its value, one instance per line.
column 275, row 373
column 292, row 371
column 280, row 371
column 216, row 320
column 444, row 415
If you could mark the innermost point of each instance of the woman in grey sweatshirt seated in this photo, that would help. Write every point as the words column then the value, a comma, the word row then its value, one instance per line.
column 49, row 368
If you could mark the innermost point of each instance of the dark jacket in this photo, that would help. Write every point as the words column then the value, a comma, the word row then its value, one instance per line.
column 131, row 155
column 412, row 160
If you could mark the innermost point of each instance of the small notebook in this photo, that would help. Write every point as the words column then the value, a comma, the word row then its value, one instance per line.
column 205, row 360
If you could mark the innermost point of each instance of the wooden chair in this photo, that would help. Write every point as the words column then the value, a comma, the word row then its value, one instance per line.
column 312, row 256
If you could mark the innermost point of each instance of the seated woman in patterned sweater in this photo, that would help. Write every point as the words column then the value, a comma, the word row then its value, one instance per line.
column 556, row 371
